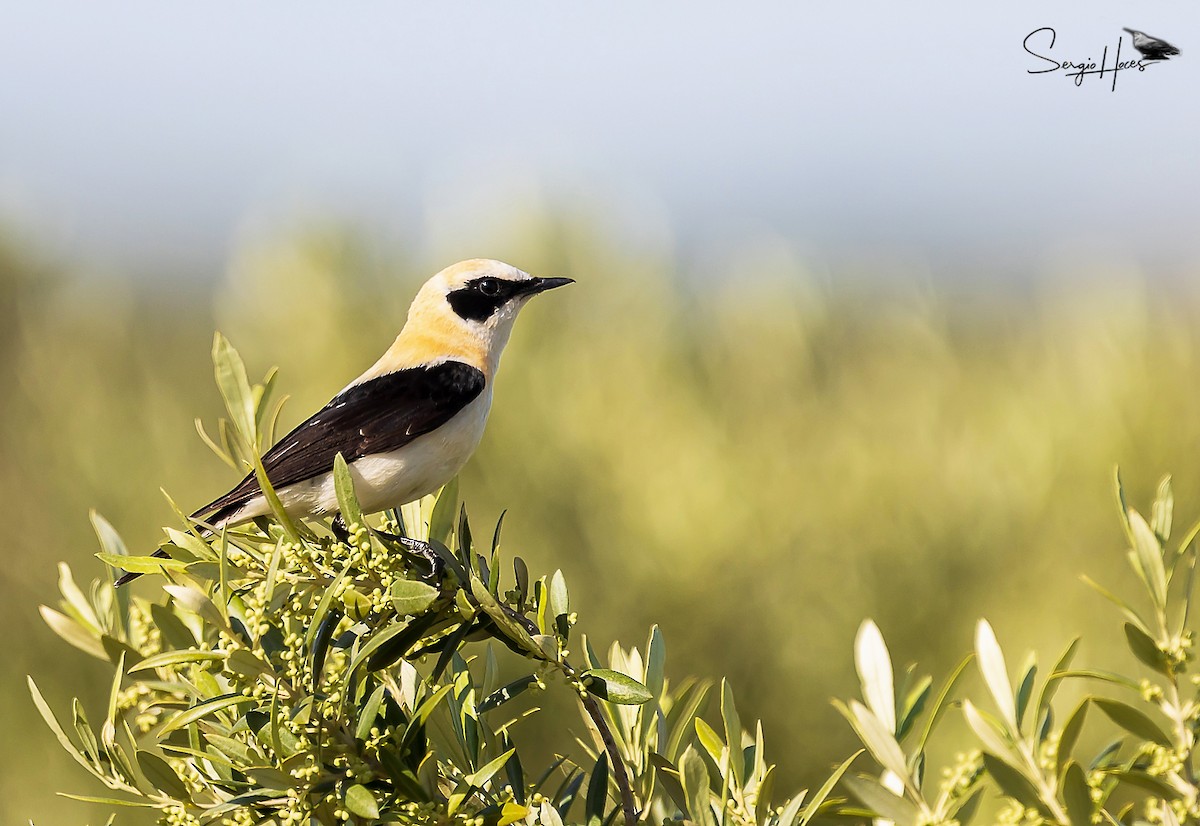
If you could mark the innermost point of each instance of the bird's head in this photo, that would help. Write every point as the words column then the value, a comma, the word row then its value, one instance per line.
column 476, row 301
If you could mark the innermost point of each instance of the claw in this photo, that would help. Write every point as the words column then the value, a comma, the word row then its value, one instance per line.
column 432, row 567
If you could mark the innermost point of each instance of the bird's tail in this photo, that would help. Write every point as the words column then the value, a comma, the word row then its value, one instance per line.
column 216, row 519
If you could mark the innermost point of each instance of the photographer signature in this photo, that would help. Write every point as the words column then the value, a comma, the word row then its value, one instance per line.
column 1078, row 70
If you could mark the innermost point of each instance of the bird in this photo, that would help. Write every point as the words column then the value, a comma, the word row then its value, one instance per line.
column 1152, row 48
column 410, row 422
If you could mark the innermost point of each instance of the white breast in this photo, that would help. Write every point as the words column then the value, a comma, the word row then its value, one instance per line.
column 388, row 480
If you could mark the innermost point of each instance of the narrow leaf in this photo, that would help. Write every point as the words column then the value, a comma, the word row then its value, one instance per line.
column 361, row 802
column 1132, row 720
column 995, row 673
column 875, row 673
column 343, row 484
column 810, row 811
column 882, row 801
column 408, row 596
column 1148, row 558
column 614, row 686
column 597, row 794
column 1077, row 795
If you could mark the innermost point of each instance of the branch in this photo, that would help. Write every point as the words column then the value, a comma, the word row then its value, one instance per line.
column 614, row 758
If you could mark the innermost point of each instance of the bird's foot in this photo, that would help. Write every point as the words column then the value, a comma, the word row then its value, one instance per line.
column 430, row 566
column 341, row 530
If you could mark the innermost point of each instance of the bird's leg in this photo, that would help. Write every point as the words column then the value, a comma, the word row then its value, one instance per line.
column 340, row 530
column 423, row 554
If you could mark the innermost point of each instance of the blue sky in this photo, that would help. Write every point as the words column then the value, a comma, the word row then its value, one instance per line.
column 151, row 131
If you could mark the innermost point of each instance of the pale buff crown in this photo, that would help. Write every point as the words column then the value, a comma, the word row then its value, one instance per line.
column 434, row 332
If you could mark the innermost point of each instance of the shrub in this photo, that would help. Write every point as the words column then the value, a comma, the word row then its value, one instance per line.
column 319, row 672
column 292, row 673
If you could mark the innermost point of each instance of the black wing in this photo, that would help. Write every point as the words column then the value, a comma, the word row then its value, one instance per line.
column 382, row 414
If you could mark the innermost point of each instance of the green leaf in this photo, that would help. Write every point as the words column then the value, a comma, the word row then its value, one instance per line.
column 318, row 616
column 108, row 730
column 875, row 673
column 656, row 663
column 230, row 373
column 1024, row 692
column 237, row 751
column 480, row 778
column 511, row 628
column 995, row 673
column 366, row 718
column 505, row 693
column 171, row 626
column 560, row 604
column 194, row 545
column 597, row 794
column 1162, row 510
column 198, row 603
column 167, row 658
column 710, row 740
column 883, row 801
column 110, row 540
column 408, row 596
column 201, row 710
column 86, row 736
column 1146, row 782
column 814, row 805
column 914, row 704
column 142, row 564
column 1077, row 795
column 1132, row 720
column 161, row 776
column 940, row 704
column 548, row 815
column 1054, row 679
column 679, row 720
column 733, row 731
column 277, row 509
column 694, row 776
column 73, row 632
column 1146, row 649
column 242, row 662
column 874, row 735
column 1070, row 734
column 614, row 686
column 111, row 543
column 108, row 801
column 52, row 721
column 791, row 811
column 262, row 396
column 987, row 732
column 76, row 603
column 1147, row 558
column 441, row 522
column 343, row 485
column 361, row 802
column 1130, row 614
column 1012, row 782
column 388, row 646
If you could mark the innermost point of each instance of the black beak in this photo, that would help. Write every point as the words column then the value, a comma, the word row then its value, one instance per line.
column 539, row 285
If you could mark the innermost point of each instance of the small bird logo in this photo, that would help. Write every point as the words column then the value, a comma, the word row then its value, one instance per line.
column 1152, row 48
column 410, row 422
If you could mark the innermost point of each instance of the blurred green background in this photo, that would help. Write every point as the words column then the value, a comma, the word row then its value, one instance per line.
column 755, row 458
column 865, row 314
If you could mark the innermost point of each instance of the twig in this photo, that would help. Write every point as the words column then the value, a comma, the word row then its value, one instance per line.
column 614, row 758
